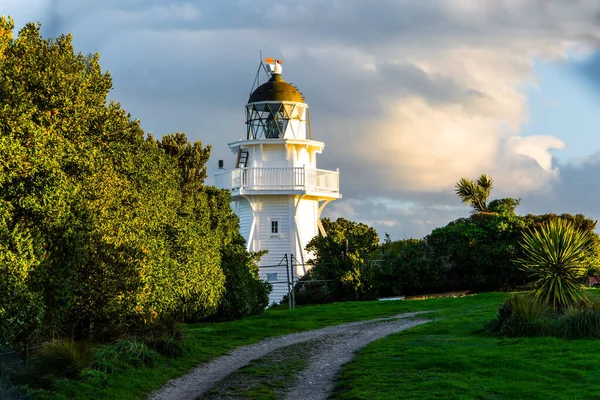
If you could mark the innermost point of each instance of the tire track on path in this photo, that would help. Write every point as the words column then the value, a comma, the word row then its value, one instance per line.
column 315, row 382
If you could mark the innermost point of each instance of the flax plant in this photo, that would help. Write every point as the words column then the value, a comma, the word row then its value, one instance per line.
column 555, row 255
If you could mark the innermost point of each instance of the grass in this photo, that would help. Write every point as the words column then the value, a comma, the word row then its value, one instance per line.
column 266, row 378
column 205, row 341
column 452, row 358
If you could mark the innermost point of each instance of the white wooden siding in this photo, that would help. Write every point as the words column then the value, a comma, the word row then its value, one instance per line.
column 274, row 208
column 307, row 225
column 278, row 245
column 244, row 212
column 272, row 156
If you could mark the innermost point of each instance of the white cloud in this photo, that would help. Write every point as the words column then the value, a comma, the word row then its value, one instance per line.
column 408, row 95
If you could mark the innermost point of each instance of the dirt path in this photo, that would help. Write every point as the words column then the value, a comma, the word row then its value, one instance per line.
column 337, row 347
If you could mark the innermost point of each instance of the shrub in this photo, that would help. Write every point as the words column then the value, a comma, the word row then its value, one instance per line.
column 520, row 315
column 310, row 291
column 525, row 315
column 245, row 293
column 63, row 358
column 555, row 257
column 123, row 354
column 83, row 248
column 95, row 377
column 166, row 337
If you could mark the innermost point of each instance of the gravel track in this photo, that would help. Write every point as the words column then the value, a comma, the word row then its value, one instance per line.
column 314, row 383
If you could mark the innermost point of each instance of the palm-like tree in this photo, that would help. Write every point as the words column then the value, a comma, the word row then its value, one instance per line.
column 555, row 256
column 475, row 193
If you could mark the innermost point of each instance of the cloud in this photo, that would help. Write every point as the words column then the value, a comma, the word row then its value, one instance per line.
column 409, row 96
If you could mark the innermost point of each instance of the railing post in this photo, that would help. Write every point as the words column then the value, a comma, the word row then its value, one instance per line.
column 304, row 176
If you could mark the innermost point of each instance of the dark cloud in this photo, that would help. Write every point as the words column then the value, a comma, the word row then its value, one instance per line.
column 189, row 66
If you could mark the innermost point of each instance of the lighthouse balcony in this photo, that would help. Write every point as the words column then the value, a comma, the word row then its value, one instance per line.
column 300, row 180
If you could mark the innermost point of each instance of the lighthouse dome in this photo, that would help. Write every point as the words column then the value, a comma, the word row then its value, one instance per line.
column 276, row 89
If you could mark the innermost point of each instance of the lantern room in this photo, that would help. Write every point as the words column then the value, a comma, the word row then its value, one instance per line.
column 276, row 109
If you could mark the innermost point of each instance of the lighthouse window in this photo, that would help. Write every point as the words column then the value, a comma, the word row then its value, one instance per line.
column 275, row 226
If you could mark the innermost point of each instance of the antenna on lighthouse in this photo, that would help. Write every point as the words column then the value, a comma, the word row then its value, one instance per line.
column 261, row 66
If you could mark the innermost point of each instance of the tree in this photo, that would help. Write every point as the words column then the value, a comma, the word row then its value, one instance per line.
column 555, row 256
column 504, row 206
column 475, row 193
column 406, row 267
column 476, row 253
column 102, row 227
column 341, row 259
column 245, row 293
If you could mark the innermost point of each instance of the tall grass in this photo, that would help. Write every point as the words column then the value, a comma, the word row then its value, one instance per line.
column 525, row 315
column 63, row 358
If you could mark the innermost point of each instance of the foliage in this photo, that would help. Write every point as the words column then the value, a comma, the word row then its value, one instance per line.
column 525, row 315
column 341, row 259
column 476, row 253
column 504, row 206
column 555, row 256
column 475, row 193
column 406, row 268
column 518, row 315
column 245, row 293
column 124, row 354
column 63, row 358
column 102, row 227
column 166, row 337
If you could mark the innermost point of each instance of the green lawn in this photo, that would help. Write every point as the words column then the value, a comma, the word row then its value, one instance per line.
column 451, row 358
column 206, row 341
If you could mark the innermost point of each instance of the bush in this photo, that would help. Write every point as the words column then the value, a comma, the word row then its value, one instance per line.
column 124, row 354
column 245, row 293
column 309, row 291
column 556, row 257
column 166, row 337
column 520, row 315
column 63, row 358
column 477, row 253
column 95, row 378
column 524, row 315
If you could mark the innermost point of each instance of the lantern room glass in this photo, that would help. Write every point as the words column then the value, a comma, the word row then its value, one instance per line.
column 277, row 120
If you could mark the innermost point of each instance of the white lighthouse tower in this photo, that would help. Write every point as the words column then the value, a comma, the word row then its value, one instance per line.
column 277, row 191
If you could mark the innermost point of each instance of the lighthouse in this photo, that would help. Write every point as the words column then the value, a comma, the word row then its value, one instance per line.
column 277, row 191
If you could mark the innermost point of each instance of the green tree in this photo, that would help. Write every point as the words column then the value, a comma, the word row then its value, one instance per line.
column 475, row 193
column 102, row 227
column 406, row 267
column 341, row 259
column 476, row 253
column 245, row 293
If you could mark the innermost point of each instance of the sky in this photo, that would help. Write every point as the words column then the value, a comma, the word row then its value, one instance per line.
column 409, row 96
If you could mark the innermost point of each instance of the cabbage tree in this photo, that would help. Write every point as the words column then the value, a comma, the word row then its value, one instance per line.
column 556, row 257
